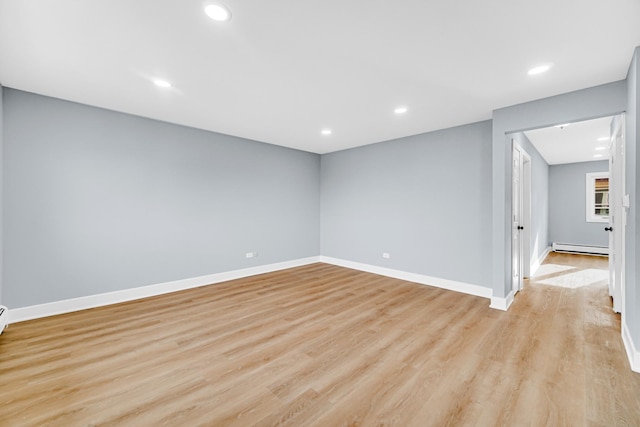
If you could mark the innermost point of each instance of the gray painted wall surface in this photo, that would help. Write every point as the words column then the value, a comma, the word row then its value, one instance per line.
column 1, row 195
column 567, row 205
column 632, row 255
column 539, row 198
column 425, row 199
column 98, row 201
column 599, row 101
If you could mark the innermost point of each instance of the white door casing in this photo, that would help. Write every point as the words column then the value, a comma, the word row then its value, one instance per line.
column 516, row 227
column 617, row 213
column 525, row 216
column 609, row 227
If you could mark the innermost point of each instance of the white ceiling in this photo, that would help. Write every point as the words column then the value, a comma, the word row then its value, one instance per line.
column 280, row 72
column 577, row 142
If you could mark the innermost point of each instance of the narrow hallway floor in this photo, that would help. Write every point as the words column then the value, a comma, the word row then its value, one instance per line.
column 570, row 292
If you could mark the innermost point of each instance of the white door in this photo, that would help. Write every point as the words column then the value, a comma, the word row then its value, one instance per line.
column 516, row 220
column 609, row 228
column 617, row 213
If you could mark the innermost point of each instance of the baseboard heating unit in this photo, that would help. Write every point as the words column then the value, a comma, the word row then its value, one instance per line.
column 580, row 249
column 4, row 317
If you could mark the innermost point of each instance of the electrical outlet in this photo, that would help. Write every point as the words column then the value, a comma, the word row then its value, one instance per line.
column 249, row 255
column 386, row 255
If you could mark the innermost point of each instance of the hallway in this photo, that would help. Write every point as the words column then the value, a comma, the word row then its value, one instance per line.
column 569, row 293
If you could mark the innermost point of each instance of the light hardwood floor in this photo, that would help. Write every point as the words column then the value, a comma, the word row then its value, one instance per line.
column 322, row 345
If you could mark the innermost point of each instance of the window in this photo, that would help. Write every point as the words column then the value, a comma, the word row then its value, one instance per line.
column 598, row 197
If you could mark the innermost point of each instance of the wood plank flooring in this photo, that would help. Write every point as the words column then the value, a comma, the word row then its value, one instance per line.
column 322, row 345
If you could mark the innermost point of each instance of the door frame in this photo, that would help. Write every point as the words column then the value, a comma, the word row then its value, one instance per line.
column 526, row 215
column 524, row 199
column 618, row 211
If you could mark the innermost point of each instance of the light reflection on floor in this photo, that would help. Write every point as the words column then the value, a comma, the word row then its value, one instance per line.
column 546, row 269
column 574, row 279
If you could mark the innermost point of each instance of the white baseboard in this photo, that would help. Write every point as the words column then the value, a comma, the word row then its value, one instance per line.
column 465, row 288
column 632, row 351
column 502, row 303
column 91, row 301
column 537, row 263
column 579, row 249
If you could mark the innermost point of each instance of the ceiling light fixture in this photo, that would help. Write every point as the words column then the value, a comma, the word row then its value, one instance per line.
column 604, row 138
column 161, row 83
column 217, row 12
column 539, row 69
column 326, row 131
column 562, row 126
column 597, row 155
column 400, row 110
column 601, row 148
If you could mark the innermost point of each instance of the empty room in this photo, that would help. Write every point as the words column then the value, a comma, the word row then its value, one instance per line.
column 363, row 213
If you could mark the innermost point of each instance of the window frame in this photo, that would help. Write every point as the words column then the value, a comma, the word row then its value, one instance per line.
column 591, row 196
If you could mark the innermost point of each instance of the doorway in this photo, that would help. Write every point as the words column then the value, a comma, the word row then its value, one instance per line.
column 583, row 219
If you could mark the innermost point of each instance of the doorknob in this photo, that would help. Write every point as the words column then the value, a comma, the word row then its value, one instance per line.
column 520, row 227
column 608, row 229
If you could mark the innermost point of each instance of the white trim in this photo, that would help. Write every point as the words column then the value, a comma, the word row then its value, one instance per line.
column 587, row 249
column 632, row 352
column 451, row 285
column 502, row 303
column 91, row 301
column 526, row 214
column 4, row 318
column 535, row 265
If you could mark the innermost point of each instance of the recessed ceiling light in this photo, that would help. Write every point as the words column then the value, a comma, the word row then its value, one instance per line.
column 604, row 138
column 539, row 69
column 601, row 148
column 161, row 83
column 400, row 110
column 326, row 131
column 597, row 155
column 217, row 12
column 562, row 126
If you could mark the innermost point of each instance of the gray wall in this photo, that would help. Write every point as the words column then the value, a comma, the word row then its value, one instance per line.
column 539, row 198
column 98, row 201
column 425, row 199
column 599, row 101
column 631, row 315
column 567, row 205
column 1, row 196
